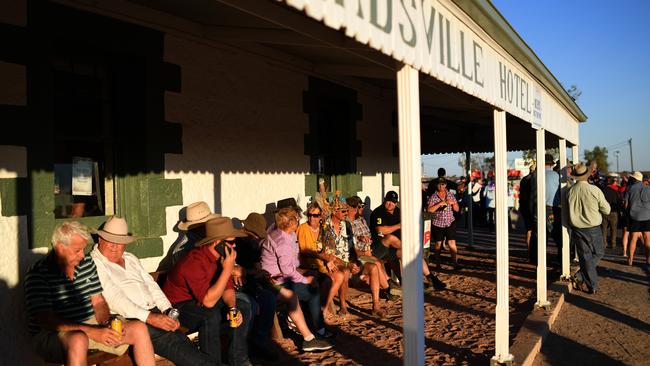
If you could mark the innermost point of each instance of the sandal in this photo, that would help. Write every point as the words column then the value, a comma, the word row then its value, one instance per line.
column 379, row 313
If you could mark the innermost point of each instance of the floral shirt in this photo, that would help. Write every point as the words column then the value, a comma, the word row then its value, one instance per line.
column 336, row 244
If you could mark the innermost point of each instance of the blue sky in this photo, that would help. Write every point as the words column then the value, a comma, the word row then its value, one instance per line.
column 603, row 47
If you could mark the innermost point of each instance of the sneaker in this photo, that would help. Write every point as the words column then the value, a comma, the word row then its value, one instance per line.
column 386, row 295
column 316, row 344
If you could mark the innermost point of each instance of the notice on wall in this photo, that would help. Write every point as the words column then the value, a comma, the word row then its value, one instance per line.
column 82, row 176
column 427, row 234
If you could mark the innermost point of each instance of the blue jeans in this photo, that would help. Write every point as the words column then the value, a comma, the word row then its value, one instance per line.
column 264, row 305
column 590, row 246
column 177, row 348
column 308, row 295
column 208, row 322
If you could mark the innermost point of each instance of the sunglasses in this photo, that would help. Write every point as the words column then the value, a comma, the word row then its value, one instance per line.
column 313, row 215
column 343, row 211
column 231, row 242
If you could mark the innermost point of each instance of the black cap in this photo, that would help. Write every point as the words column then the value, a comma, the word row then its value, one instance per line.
column 391, row 196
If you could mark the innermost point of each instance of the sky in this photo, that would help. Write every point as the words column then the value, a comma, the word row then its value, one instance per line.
column 602, row 47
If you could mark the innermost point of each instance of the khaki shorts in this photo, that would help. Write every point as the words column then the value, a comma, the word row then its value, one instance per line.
column 49, row 344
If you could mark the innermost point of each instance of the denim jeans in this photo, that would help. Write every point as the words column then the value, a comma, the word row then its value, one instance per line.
column 309, row 295
column 264, row 305
column 590, row 246
column 177, row 348
column 208, row 322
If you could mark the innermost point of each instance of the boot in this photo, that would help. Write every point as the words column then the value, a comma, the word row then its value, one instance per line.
column 436, row 283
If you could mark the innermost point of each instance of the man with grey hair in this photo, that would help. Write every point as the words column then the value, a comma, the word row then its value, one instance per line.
column 68, row 314
column 586, row 205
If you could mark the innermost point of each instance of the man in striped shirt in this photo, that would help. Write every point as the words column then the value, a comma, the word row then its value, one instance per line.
column 67, row 311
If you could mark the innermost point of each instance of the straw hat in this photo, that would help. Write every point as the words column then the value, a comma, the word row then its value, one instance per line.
column 196, row 213
column 580, row 171
column 219, row 228
column 116, row 231
column 638, row 176
column 256, row 224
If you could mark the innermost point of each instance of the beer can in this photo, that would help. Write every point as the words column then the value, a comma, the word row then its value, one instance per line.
column 173, row 313
column 233, row 317
column 116, row 325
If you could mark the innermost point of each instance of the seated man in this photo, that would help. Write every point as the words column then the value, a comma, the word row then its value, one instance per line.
column 200, row 286
column 385, row 228
column 132, row 293
column 67, row 312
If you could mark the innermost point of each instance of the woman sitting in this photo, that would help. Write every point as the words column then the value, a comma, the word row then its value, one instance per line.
column 373, row 272
column 279, row 257
column 313, row 259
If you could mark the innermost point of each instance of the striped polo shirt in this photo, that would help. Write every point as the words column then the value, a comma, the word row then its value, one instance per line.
column 47, row 288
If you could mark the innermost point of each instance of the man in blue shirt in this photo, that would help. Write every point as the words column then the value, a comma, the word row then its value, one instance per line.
column 553, row 208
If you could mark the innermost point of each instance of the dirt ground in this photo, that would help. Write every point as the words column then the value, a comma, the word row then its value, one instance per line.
column 611, row 327
column 459, row 321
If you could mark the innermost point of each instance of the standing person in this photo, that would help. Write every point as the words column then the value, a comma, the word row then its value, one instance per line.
column 489, row 202
column 385, row 228
column 477, row 208
column 463, row 199
column 553, row 209
column 131, row 292
column 610, row 222
column 200, row 286
column 586, row 204
column 67, row 313
column 442, row 204
column 525, row 191
column 280, row 260
column 315, row 259
column 638, row 204
column 373, row 272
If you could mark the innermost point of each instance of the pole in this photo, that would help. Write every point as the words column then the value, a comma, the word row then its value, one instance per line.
column 502, row 354
column 631, row 159
column 617, row 152
column 566, row 252
column 470, row 204
column 542, row 300
column 408, row 102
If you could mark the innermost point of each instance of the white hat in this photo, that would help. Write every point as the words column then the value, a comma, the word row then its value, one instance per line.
column 196, row 213
column 116, row 231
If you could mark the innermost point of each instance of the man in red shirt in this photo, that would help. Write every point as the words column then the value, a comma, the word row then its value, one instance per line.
column 201, row 288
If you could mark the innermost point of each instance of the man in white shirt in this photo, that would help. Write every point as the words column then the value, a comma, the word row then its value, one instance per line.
column 132, row 293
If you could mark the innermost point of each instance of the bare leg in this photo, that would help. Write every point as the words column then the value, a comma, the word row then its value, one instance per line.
column 383, row 276
column 343, row 292
column 373, row 271
column 436, row 256
column 337, row 281
column 626, row 237
column 646, row 239
column 630, row 258
column 295, row 312
column 136, row 334
column 76, row 345
column 454, row 251
column 425, row 268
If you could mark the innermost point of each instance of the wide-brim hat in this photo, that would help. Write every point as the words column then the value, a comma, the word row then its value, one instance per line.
column 195, row 214
column 256, row 224
column 287, row 203
column 638, row 176
column 580, row 171
column 116, row 230
column 220, row 228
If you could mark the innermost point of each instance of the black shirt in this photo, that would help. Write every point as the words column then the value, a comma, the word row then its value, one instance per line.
column 381, row 217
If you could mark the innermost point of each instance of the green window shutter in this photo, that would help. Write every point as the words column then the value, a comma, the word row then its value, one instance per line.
column 396, row 179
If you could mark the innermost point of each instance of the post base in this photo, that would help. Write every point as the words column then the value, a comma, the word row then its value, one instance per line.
column 543, row 305
column 507, row 360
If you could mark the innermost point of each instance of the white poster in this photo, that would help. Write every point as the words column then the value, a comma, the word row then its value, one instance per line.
column 82, row 176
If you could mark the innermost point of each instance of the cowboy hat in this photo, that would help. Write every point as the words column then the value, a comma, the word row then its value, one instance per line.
column 116, row 231
column 195, row 214
column 580, row 171
column 219, row 228
column 638, row 176
column 288, row 203
column 256, row 224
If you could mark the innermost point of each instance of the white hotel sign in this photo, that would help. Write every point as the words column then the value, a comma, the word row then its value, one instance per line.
column 438, row 39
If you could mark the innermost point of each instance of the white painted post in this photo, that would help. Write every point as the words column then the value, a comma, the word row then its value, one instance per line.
column 470, row 204
column 541, row 220
column 408, row 102
column 575, row 157
column 566, row 270
column 502, row 354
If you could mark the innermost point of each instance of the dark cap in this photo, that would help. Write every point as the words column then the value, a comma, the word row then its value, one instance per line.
column 288, row 203
column 391, row 196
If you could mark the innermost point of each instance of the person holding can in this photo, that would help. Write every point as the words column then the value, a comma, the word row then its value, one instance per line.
column 132, row 293
column 68, row 314
column 200, row 286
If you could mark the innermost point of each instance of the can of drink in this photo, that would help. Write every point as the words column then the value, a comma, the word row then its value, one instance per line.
column 173, row 313
column 233, row 317
column 116, row 325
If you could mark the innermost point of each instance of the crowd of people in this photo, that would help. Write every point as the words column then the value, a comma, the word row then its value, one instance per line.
column 224, row 278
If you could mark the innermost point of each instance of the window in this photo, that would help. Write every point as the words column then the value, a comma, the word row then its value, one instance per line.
column 83, row 179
